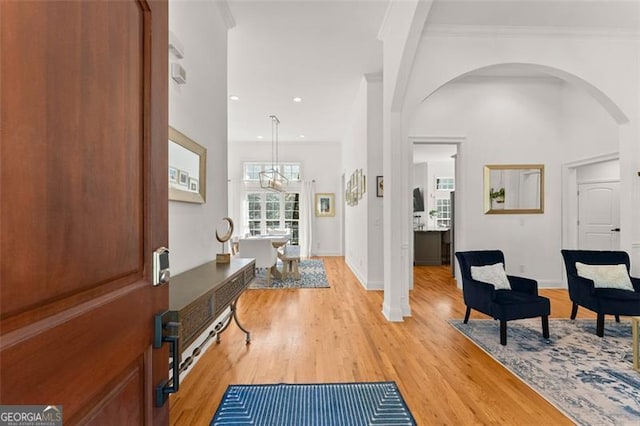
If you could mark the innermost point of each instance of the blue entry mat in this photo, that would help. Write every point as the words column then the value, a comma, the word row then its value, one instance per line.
column 377, row 403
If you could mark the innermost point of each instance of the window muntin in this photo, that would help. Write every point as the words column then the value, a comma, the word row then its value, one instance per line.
column 445, row 184
column 251, row 171
column 267, row 210
column 443, row 209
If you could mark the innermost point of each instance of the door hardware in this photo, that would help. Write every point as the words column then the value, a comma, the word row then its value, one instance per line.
column 167, row 330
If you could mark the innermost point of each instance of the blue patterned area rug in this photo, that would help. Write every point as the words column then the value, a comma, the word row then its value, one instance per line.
column 312, row 275
column 344, row 404
column 589, row 378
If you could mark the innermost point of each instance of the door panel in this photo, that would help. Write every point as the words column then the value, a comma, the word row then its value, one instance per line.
column 83, row 205
column 87, row 160
column 599, row 215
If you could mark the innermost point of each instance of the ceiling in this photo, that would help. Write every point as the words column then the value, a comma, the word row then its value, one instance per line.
column 319, row 49
column 572, row 14
column 315, row 50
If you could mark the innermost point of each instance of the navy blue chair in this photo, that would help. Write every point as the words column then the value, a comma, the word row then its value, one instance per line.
column 522, row 301
column 602, row 301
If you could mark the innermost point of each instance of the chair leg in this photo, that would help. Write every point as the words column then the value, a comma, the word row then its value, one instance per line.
column 466, row 315
column 617, row 318
column 503, row 332
column 545, row 326
column 600, row 325
column 574, row 311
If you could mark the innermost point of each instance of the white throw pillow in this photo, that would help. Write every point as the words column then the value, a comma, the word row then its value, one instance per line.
column 606, row 276
column 492, row 274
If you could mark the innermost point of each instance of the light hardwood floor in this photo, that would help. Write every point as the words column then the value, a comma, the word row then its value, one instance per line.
column 340, row 335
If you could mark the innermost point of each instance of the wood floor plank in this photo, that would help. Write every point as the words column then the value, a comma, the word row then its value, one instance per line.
column 339, row 334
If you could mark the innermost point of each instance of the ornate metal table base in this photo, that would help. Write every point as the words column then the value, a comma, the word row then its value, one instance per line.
column 224, row 324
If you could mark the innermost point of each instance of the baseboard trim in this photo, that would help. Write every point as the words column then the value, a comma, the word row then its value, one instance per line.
column 551, row 284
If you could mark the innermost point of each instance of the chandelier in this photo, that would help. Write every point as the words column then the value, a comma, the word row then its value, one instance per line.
column 272, row 179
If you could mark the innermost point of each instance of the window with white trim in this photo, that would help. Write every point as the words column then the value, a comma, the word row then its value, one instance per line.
column 444, row 184
column 251, row 171
column 443, row 209
column 273, row 210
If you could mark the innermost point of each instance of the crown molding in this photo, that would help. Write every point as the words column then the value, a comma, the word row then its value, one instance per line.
column 227, row 17
column 612, row 156
column 436, row 139
column 436, row 30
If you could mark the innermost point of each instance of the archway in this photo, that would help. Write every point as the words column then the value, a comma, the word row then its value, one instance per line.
column 512, row 69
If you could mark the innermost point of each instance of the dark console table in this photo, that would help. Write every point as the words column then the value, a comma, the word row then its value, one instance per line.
column 200, row 295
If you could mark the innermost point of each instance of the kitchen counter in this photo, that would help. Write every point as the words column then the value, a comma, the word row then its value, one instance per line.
column 430, row 246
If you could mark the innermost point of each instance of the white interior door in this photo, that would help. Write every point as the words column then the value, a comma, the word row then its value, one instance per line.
column 599, row 216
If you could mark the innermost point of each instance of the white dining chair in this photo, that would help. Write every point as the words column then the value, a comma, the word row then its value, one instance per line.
column 260, row 249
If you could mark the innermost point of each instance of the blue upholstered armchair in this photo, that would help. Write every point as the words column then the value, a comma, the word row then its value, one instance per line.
column 601, row 300
column 521, row 301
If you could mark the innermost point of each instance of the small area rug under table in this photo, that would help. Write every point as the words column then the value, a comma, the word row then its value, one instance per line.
column 312, row 275
column 589, row 378
column 321, row 404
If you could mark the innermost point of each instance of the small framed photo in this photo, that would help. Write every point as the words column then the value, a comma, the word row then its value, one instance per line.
column 325, row 205
column 173, row 175
column 379, row 186
column 183, row 178
column 193, row 185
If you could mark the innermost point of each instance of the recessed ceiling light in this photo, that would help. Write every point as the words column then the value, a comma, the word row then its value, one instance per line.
column 297, row 99
column 234, row 98
column 301, row 136
column 260, row 136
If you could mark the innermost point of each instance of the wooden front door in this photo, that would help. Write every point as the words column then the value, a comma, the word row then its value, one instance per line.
column 83, row 195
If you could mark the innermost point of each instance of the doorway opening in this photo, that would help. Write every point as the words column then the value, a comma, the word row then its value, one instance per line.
column 592, row 204
column 433, row 192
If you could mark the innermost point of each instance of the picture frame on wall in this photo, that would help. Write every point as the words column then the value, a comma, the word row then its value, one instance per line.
column 379, row 186
column 194, row 185
column 183, row 178
column 325, row 205
column 173, row 175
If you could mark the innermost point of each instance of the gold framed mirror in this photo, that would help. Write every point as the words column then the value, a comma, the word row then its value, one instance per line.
column 187, row 169
column 514, row 189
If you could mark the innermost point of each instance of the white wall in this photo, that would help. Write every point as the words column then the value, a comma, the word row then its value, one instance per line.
column 354, row 156
column 612, row 78
column 514, row 121
column 362, row 149
column 375, row 230
column 199, row 110
column 582, row 138
column 605, row 171
column 319, row 161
